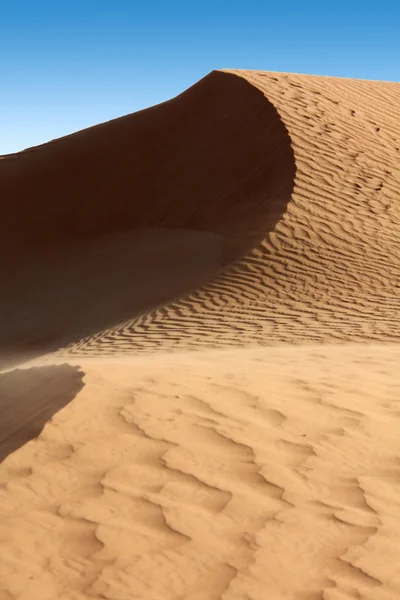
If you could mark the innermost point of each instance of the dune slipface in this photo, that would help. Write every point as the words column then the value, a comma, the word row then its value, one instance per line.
column 297, row 174
column 216, row 161
column 255, row 210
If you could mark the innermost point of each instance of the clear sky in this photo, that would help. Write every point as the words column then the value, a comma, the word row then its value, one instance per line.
column 69, row 64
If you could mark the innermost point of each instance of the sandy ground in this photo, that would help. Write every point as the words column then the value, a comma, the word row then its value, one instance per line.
column 236, row 474
column 199, row 349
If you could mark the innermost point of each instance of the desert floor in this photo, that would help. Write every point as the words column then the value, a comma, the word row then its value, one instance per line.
column 199, row 349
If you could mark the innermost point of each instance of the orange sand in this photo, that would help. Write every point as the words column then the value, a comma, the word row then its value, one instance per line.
column 199, row 334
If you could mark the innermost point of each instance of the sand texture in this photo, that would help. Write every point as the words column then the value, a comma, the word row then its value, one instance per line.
column 199, row 349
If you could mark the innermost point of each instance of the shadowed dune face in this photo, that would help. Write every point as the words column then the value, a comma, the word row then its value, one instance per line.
column 217, row 158
column 107, row 223
column 29, row 398
column 72, row 289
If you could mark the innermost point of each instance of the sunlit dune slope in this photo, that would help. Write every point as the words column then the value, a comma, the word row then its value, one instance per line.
column 292, row 182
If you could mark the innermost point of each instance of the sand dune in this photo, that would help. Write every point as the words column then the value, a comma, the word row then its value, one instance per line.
column 202, row 303
column 298, row 175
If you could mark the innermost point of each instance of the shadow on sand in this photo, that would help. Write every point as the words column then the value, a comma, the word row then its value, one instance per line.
column 29, row 398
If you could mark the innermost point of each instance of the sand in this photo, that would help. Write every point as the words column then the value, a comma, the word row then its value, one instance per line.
column 199, row 328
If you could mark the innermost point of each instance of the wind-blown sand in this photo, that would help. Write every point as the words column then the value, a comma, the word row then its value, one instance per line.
column 199, row 329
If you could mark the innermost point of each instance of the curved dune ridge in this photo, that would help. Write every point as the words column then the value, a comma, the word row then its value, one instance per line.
column 297, row 174
column 253, row 218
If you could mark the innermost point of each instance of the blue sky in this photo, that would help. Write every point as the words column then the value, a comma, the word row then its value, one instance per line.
column 69, row 64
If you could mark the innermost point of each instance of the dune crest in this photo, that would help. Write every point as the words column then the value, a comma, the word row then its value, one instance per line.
column 329, row 270
column 297, row 175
